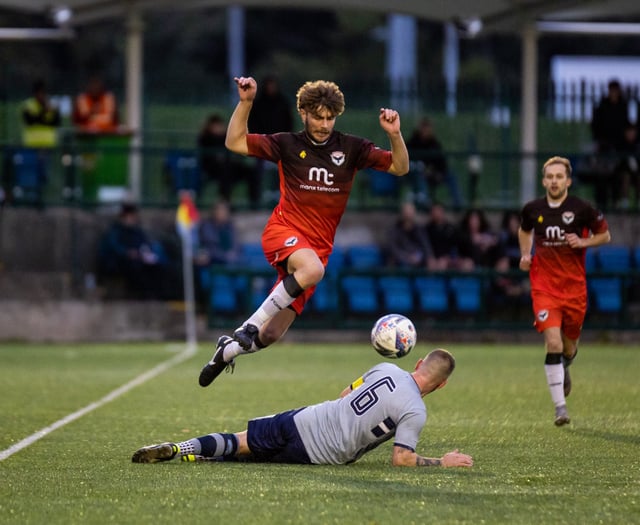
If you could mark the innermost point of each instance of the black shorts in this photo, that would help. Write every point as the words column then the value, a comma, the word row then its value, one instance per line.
column 275, row 439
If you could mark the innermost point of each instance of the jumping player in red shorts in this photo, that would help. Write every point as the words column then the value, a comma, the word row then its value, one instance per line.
column 316, row 169
column 560, row 228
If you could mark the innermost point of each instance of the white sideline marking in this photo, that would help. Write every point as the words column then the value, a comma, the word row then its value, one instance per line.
column 188, row 352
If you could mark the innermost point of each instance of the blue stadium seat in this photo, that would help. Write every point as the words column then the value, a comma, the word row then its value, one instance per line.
column 360, row 294
column 396, row 293
column 337, row 260
column 28, row 175
column 365, row 256
column 467, row 293
column 591, row 260
column 325, row 298
column 255, row 287
column 433, row 294
column 223, row 293
column 612, row 258
column 606, row 293
column 252, row 256
column 183, row 171
column 203, row 278
column 636, row 257
column 259, row 288
column 383, row 184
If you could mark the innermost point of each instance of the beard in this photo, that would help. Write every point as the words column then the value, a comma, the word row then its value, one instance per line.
column 315, row 138
column 557, row 194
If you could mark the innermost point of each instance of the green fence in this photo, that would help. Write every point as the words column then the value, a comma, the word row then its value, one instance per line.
column 77, row 169
column 90, row 173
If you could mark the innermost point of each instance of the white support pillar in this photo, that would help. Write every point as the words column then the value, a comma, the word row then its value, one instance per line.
column 529, row 113
column 235, row 46
column 134, row 77
column 402, row 61
column 451, row 67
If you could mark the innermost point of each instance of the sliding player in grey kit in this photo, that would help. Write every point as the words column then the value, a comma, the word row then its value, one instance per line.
column 384, row 403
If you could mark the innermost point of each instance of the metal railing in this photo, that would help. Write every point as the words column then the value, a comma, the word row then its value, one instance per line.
column 94, row 173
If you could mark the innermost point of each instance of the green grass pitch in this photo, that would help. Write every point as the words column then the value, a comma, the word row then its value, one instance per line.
column 495, row 407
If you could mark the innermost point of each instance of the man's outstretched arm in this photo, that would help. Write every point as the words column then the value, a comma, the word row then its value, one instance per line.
column 236, row 139
column 403, row 457
column 390, row 123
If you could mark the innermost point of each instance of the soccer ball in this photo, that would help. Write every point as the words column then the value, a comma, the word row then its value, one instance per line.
column 393, row 336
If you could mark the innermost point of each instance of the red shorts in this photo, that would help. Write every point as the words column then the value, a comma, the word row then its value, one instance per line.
column 279, row 241
column 566, row 313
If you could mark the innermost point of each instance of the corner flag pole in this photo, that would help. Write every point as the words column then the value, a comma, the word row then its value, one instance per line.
column 186, row 222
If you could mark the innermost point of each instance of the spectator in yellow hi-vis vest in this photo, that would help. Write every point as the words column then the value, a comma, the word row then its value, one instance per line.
column 40, row 119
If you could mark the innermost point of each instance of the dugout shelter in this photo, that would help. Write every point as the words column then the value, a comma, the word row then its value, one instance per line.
column 528, row 18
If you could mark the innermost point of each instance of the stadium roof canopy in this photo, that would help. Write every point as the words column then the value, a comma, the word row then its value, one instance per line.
column 496, row 15
column 528, row 18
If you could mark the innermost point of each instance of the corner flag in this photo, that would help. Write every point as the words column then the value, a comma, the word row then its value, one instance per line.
column 187, row 215
column 186, row 222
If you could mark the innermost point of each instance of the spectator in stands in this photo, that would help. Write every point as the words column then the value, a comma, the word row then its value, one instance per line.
column 508, row 238
column 508, row 260
column 128, row 252
column 216, row 245
column 408, row 242
column 429, row 167
column 442, row 236
column 217, row 242
column 40, row 118
column 40, row 122
column 627, row 174
column 96, row 110
column 271, row 113
column 219, row 164
column 610, row 119
column 478, row 245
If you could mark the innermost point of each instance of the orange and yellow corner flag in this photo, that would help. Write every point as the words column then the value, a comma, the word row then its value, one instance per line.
column 187, row 215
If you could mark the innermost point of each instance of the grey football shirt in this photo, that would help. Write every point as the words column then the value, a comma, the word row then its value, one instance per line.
column 387, row 403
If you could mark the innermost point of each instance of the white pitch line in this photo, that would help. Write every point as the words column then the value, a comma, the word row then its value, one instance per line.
column 189, row 351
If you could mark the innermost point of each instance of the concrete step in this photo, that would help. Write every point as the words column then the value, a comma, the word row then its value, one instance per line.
column 35, row 286
column 95, row 321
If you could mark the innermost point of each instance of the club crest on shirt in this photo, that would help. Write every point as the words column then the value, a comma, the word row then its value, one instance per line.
column 568, row 216
column 291, row 241
column 337, row 157
column 543, row 315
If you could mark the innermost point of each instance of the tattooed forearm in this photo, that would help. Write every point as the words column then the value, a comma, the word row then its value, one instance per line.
column 428, row 462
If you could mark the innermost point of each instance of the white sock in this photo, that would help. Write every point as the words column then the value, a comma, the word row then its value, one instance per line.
column 555, row 380
column 232, row 350
column 277, row 300
column 192, row 446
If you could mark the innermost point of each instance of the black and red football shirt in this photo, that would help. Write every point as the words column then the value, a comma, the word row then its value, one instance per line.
column 556, row 268
column 316, row 179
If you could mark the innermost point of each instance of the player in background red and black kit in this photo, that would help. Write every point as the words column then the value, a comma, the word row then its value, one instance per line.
column 316, row 169
column 560, row 227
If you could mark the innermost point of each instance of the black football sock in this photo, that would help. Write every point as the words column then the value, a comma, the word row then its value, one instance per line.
column 218, row 445
column 566, row 361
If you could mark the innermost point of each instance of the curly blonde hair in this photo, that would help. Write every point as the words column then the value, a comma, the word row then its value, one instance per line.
column 320, row 94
